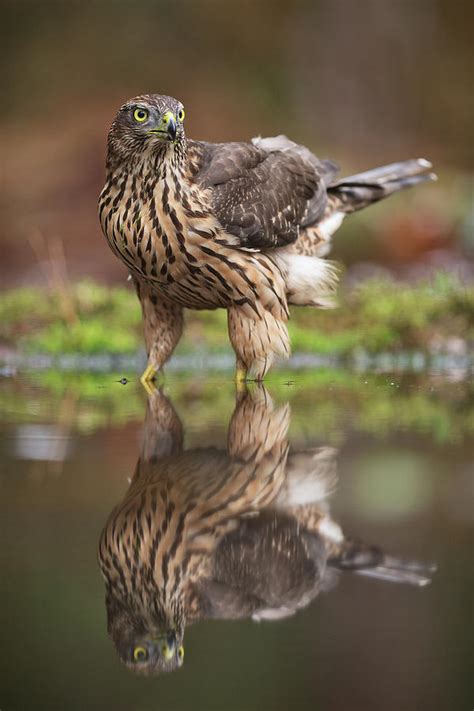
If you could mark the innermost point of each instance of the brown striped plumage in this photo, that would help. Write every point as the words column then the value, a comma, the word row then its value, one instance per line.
column 207, row 533
column 240, row 226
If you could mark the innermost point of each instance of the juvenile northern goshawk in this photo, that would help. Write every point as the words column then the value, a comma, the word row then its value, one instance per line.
column 240, row 226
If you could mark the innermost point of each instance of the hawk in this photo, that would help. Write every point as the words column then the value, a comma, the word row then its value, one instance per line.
column 239, row 533
column 240, row 226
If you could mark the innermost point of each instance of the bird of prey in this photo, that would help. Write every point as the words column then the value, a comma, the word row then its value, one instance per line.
column 234, row 534
column 240, row 226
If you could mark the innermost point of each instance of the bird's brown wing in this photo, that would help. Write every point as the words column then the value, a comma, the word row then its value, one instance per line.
column 266, row 566
column 263, row 192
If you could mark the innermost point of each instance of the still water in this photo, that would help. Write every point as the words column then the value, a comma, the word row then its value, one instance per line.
column 270, row 549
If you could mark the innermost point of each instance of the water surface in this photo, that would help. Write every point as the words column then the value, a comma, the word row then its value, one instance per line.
column 392, row 453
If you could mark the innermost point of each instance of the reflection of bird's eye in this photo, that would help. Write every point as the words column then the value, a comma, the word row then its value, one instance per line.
column 140, row 654
column 181, row 115
column 181, row 654
column 140, row 115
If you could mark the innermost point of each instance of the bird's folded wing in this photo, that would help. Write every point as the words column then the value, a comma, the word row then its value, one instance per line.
column 262, row 193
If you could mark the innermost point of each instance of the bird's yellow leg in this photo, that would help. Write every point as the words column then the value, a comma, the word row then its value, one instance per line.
column 241, row 378
column 148, row 379
column 149, row 373
column 240, row 375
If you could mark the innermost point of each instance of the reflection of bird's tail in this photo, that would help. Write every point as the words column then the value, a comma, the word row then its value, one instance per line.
column 371, row 561
column 358, row 191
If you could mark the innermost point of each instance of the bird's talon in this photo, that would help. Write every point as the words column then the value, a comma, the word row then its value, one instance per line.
column 149, row 373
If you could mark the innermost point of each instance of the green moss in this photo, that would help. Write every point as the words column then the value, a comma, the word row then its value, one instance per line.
column 99, row 319
column 378, row 315
column 382, row 315
column 86, row 336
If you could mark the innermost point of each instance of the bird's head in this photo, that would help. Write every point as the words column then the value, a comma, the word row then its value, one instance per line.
column 147, row 124
column 145, row 645
column 153, row 654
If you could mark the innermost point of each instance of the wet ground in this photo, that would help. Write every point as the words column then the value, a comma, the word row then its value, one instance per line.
column 238, row 505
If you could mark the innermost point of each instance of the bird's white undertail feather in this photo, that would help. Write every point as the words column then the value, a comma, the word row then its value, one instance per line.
column 330, row 225
column 309, row 280
column 311, row 477
column 330, row 530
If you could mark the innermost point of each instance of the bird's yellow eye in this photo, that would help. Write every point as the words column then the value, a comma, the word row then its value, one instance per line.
column 140, row 115
column 181, row 115
column 140, row 654
column 181, row 654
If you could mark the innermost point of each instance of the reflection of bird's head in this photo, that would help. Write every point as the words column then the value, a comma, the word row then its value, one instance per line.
column 144, row 646
column 149, row 122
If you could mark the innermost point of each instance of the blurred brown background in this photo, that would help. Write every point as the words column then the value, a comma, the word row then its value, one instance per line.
column 364, row 82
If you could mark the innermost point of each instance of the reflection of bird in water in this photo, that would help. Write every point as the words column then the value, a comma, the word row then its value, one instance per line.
column 206, row 533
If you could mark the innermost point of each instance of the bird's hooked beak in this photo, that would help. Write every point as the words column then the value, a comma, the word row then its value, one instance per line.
column 171, row 124
column 168, row 646
column 167, row 127
column 169, row 119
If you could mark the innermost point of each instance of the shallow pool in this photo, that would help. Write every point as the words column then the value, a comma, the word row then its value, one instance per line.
column 228, row 542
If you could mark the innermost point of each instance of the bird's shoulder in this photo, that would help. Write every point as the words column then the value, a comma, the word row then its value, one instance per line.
column 216, row 163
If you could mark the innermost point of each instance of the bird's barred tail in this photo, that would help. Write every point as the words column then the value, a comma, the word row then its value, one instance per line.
column 357, row 191
column 372, row 562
